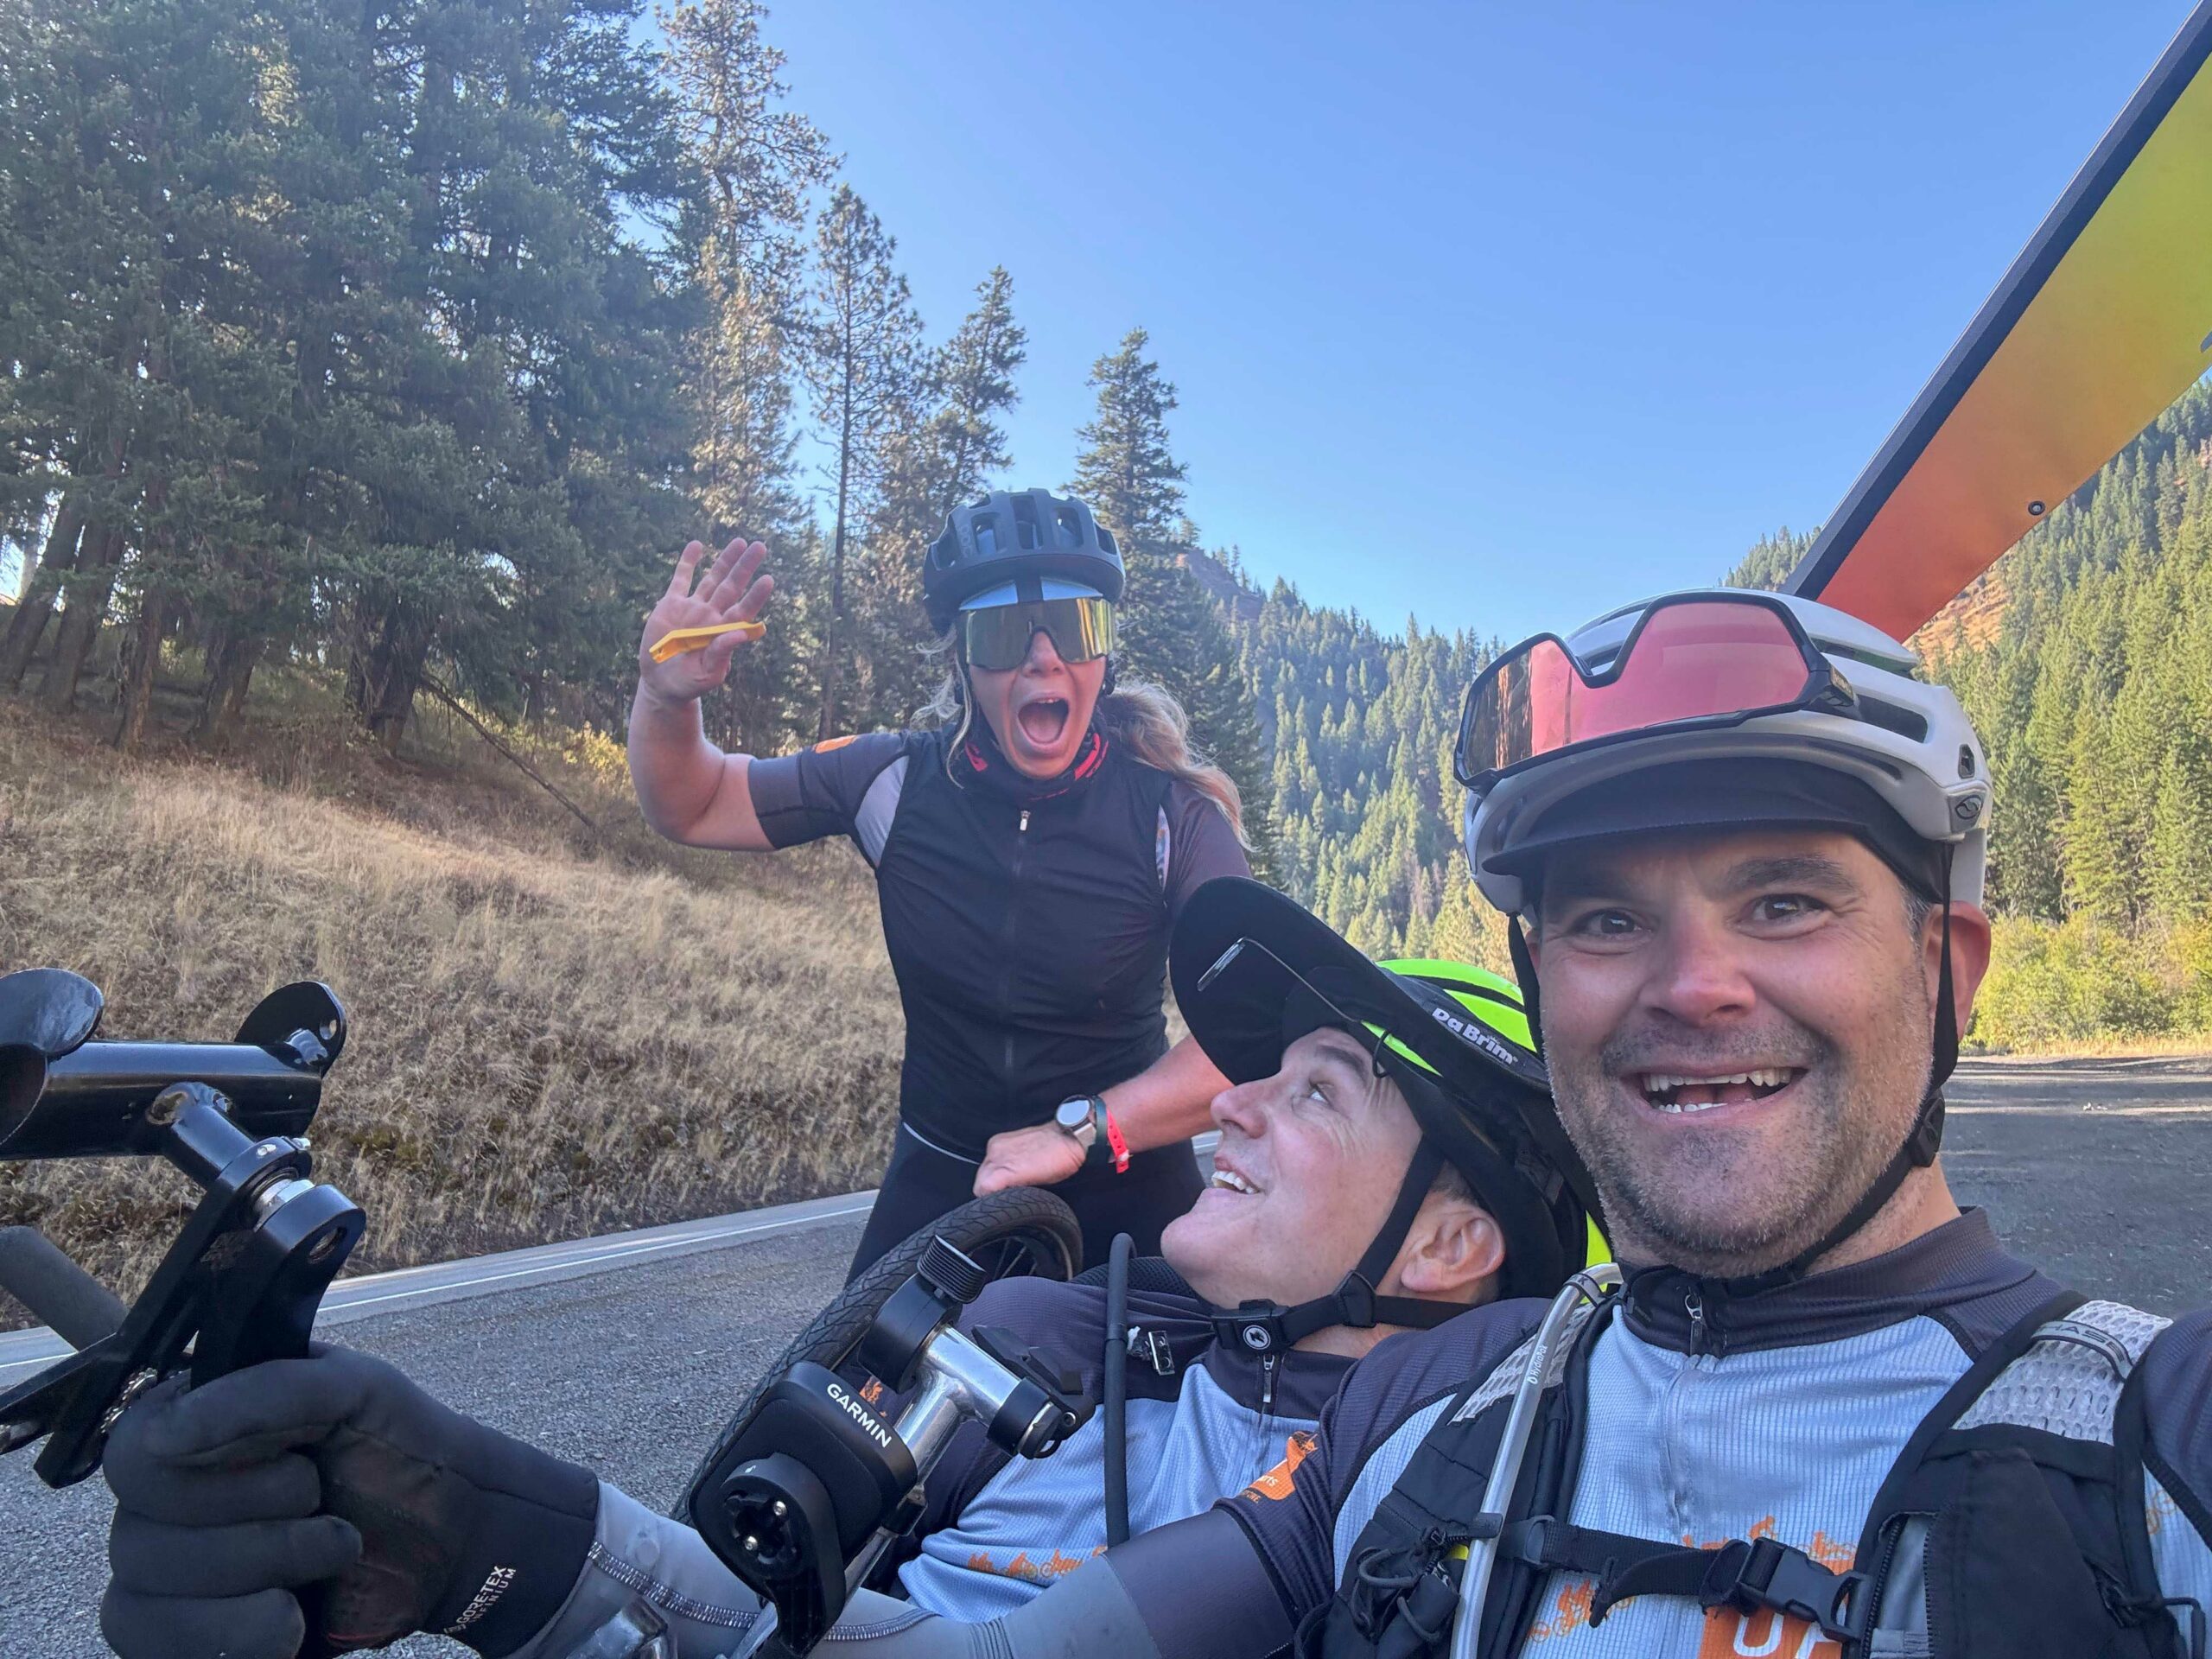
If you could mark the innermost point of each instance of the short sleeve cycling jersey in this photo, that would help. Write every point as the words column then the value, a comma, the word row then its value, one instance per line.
column 1204, row 1420
column 1028, row 930
column 1777, row 1416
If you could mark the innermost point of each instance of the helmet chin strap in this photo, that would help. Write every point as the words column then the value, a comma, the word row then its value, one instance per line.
column 1269, row 1328
column 1922, row 1142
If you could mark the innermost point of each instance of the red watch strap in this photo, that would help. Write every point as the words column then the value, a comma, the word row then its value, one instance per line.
column 1120, row 1144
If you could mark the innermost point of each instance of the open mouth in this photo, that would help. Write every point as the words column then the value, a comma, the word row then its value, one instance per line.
column 1044, row 722
column 1667, row 1091
column 1228, row 1180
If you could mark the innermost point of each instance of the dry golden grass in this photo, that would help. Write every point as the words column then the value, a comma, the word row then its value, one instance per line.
column 550, row 1037
column 2122, row 1046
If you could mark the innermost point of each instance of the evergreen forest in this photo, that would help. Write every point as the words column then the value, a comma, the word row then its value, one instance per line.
column 404, row 345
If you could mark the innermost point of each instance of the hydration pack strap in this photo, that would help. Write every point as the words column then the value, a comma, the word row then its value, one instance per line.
column 1750, row 1575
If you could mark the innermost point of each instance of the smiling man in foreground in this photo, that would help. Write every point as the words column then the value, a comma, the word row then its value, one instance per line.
column 1828, row 1416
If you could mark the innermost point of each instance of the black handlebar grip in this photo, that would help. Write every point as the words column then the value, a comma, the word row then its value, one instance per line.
column 35, row 1272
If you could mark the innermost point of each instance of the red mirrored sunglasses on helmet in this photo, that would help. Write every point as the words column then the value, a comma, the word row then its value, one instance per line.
column 1689, row 661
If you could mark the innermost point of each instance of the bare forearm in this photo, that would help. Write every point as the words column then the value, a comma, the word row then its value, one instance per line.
column 679, row 776
column 1168, row 1100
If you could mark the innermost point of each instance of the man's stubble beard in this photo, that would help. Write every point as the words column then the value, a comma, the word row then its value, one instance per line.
column 1738, row 1210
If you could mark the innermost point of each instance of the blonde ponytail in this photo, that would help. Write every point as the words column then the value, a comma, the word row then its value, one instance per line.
column 1151, row 724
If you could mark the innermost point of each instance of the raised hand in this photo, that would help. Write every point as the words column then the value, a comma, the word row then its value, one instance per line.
column 733, row 590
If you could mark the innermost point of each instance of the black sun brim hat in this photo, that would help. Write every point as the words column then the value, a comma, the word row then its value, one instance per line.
column 1254, row 1007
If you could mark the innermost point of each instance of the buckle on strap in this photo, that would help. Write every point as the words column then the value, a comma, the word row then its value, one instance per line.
column 1355, row 1302
column 1749, row 1576
column 1256, row 1327
column 1763, row 1574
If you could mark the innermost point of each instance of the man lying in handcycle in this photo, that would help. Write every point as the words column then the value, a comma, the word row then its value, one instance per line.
column 1358, row 1191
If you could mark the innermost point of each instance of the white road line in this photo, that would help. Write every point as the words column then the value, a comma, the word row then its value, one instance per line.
column 596, row 1258
column 375, row 1293
column 2092, row 1108
column 547, row 1264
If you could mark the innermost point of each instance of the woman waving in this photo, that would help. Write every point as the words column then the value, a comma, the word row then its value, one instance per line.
column 1031, row 854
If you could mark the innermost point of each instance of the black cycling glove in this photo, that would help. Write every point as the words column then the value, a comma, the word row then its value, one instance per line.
column 333, row 1471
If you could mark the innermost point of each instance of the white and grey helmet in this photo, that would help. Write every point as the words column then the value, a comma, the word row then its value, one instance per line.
column 1907, row 740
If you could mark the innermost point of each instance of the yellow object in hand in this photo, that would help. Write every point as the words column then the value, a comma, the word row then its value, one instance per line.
column 676, row 641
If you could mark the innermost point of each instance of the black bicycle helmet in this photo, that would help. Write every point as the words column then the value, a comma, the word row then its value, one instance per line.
column 1011, row 535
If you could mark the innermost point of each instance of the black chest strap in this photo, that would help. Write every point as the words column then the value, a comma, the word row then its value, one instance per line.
column 1762, row 1574
column 1751, row 1575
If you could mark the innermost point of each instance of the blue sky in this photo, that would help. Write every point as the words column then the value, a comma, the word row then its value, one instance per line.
column 1496, row 314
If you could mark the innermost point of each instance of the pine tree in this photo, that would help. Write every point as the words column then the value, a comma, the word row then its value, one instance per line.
column 862, row 358
column 2180, row 877
column 1127, row 473
column 929, row 470
column 1169, row 630
column 754, row 161
column 1770, row 560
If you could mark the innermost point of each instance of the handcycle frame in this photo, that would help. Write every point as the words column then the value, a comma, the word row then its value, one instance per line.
column 245, row 1277
column 812, row 1484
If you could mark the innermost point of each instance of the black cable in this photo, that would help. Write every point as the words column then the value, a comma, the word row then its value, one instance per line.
column 1117, row 1389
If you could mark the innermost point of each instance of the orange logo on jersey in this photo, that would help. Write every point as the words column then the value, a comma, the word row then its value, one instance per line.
column 1571, row 1613
column 1762, row 1635
column 829, row 743
column 1280, row 1481
column 1054, row 1566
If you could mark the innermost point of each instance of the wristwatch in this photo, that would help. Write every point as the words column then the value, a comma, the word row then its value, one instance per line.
column 1082, row 1118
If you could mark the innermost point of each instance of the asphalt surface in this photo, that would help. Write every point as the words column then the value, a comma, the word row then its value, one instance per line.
column 2095, row 1169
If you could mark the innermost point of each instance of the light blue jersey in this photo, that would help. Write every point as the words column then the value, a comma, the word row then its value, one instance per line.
column 1034, row 1522
column 1776, row 1417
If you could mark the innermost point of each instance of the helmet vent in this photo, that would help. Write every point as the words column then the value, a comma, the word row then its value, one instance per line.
column 1891, row 718
column 1026, row 536
column 1070, row 528
column 987, row 534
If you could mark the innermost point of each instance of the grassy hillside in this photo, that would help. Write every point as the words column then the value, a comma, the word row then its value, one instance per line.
column 552, row 1034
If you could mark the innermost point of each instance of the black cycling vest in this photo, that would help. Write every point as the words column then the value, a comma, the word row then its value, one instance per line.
column 1029, row 937
column 1993, row 1542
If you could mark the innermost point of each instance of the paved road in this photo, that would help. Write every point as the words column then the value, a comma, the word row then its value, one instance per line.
column 2096, row 1168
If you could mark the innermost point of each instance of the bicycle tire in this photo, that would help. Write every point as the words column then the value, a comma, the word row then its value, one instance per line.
column 1033, row 1217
